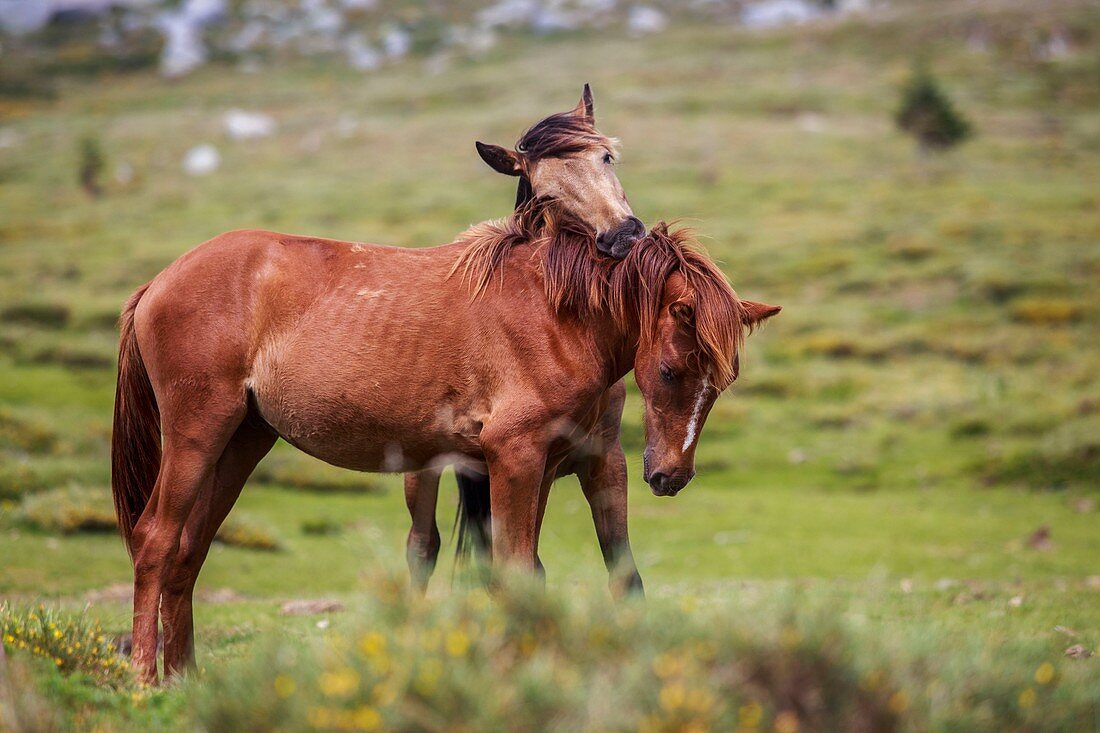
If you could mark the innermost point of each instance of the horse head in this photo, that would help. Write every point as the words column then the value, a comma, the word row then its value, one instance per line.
column 565, row 159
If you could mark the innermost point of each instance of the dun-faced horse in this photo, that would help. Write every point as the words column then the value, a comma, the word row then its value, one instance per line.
column 553, row 161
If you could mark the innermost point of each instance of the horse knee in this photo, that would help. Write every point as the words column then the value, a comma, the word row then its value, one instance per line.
column 424, row 547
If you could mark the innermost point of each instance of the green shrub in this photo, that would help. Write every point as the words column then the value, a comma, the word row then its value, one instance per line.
column 49, row 315
column 72, row 643
column 928, row 115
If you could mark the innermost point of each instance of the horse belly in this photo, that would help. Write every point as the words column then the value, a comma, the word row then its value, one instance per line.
column 330, row 411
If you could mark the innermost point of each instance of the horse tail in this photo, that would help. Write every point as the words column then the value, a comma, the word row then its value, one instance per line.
column 135, row 437
column 474, row 516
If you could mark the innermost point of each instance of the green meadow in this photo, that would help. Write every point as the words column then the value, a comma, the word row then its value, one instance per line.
column 896, row 517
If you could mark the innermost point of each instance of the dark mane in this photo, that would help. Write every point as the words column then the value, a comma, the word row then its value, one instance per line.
column 581, row 283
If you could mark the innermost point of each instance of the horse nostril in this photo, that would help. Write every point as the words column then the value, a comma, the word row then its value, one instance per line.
column 639, row 227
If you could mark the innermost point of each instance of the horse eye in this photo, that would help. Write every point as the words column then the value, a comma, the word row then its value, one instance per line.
column 666, row 374
column 607, row 158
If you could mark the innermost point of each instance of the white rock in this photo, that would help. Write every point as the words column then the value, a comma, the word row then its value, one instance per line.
column 10, row 138
column 360, row 54
column 20, row 17
column 508, row 12
column 248, row 36
column 201, row 160
column 554, row 20
column 243, row 125
column 124, row 173
column 184, row 50
column 643, row 20
column 396, row 43
column 775, row 13
column 204, row 12
column 346, row 125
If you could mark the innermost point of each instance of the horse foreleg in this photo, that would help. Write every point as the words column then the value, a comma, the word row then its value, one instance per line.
column 249, row 444
column 604, row 483
column 422, row 547
column 517, row 471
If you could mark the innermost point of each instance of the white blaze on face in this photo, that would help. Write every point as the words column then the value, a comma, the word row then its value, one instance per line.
column 693, row 425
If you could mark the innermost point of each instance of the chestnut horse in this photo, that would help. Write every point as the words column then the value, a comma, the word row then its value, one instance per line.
column 379, row 359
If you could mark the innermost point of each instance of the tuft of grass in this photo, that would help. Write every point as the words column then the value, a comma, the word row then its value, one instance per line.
column 322, row 526
column 72, row 643
column 69, row 510
column 1042, row 468
column 1046, row 311
column 299, row 471
column 24, row 435
column 247, row 533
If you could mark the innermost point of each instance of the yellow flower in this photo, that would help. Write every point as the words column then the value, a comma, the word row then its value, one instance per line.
column 790, row 637
column 672, row 696
column 367, row 718
column 1045, row 673
column 339, row 683
column 457, row 643
column 384, row 694
column 372, row 644
column 1027, row 698
column 320, row 717
column 428, row 675
column 898, row 702
column 786, row 722
column 668, row 665
column 750, row 715
column 284, row 686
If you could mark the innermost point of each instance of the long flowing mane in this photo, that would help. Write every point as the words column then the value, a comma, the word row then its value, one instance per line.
column 581, row 283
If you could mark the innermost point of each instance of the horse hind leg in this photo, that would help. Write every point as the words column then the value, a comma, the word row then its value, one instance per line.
column 422, row 547
column 192, row 444
column 250, row 443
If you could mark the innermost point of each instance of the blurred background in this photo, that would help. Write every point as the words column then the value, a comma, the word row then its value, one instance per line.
column 915, row 181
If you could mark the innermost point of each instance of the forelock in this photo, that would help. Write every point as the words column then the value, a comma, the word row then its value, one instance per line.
column 560, row 135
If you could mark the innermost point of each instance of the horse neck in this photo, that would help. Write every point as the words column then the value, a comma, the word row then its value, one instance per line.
column 615, row 344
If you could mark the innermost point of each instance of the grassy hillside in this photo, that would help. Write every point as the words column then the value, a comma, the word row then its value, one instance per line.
column 925, row 403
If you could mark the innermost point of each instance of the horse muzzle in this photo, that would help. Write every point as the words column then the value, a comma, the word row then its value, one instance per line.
column 617, row 242
column 665, row 483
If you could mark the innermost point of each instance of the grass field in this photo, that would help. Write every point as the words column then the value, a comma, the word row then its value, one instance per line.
column 926, row 403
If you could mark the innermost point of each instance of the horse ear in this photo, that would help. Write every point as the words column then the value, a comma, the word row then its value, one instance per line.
column 499, row 159
column 756, row 313
column 586, row 108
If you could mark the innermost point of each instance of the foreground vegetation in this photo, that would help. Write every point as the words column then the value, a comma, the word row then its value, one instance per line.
column 894, row 519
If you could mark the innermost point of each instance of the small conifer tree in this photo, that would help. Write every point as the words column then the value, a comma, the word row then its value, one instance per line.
column 928, row 115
